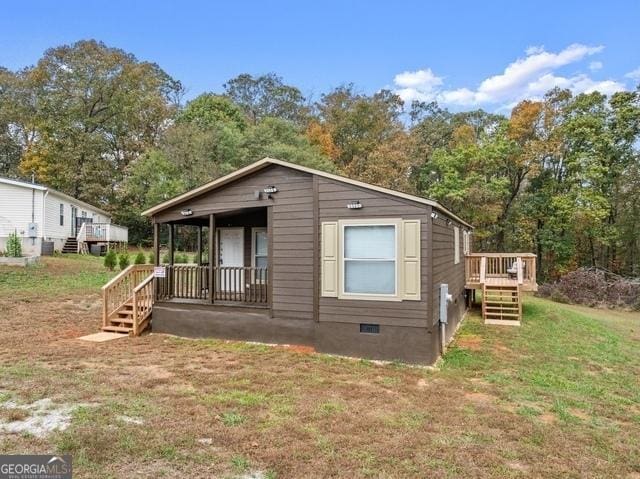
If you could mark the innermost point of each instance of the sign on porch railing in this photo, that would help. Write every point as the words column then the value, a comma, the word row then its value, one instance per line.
column 159, row 272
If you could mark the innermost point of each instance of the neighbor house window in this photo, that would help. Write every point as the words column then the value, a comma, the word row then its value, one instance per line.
column 84, row 214
column 259, row 248
column 456, row 245
column 369, row 260
column 61, row 214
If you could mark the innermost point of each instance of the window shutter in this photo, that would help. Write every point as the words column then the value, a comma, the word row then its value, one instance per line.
column 329, row 258
column 410, row 257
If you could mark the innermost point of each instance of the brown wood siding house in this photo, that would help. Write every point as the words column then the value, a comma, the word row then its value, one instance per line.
column 306, row 257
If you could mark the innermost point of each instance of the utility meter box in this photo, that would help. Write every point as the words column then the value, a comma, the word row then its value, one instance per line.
column 445, row 299
column 32, row 230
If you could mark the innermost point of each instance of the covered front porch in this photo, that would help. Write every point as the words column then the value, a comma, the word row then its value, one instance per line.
column 231, row 265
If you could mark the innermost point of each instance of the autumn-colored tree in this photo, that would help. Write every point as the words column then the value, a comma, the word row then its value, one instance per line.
column 358, row 124
column 389, row 165
column 97, row 107
column 320, row 136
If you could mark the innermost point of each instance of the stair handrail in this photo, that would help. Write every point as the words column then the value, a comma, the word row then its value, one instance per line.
column 120, row 289
column 141, row 306
column 81, row 237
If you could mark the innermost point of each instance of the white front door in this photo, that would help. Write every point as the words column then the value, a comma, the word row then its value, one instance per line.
column 231, row 254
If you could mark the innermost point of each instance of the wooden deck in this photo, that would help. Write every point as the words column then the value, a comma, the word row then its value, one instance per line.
column 502, row 278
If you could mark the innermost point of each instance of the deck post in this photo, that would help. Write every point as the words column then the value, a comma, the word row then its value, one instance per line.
column 135, row 313
column 270, row 260
column 519, row 270
column 156, row 255
column 170, row 268
column 199, row 247
column 212, row 256
column 171, row 243
column 199, row 285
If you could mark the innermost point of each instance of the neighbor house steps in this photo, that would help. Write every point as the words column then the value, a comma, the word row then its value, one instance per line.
column 502, row 304
column 70, row 245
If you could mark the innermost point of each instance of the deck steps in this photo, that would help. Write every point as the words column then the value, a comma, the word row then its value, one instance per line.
column 70, row 245
column 502, row 304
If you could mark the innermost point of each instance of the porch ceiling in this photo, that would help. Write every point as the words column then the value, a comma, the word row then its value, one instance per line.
column 203, row 220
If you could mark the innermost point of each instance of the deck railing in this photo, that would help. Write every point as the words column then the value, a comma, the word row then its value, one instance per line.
column 102, row 232
column 232, row 284
column 519, row 266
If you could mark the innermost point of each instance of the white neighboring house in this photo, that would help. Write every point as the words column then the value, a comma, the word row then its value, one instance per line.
column 44, row 217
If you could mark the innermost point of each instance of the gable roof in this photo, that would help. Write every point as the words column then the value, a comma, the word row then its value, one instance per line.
column 260, row 164
column 35, row 186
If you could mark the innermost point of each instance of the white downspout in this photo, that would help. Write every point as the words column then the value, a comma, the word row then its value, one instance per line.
column 44, row 207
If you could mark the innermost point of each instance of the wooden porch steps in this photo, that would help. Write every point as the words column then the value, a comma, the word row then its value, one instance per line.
column 70, row 245
column 117, row 329
column 128, row 300
column 502, row 304
column 121, row 320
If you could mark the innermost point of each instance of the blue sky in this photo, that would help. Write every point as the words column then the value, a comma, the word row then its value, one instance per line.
column 462, row 53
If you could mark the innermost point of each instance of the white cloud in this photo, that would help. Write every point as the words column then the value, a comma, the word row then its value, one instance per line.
column 529, row 77
column 420, row 78
column 532, row 50
column 419, row 85
column 634, row 74
column 595, row 66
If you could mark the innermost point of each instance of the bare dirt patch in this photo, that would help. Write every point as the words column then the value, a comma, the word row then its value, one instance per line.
column 39, row 418
column 481, row 398
column 468, row 341
column 548, row 418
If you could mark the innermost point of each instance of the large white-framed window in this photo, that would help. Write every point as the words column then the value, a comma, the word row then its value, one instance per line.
column 369, row 259
column 456, row 245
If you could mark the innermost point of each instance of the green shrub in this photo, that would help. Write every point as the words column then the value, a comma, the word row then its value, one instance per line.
column 140, row 258
column 152, row 258
column 177, row 258
column 110, row 260
column 123, row 261
column 14, row 245
column 181, row 258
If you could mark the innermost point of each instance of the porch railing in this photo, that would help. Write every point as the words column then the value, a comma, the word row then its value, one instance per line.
column 240, row 284
column 519, row 266
column 102, row 232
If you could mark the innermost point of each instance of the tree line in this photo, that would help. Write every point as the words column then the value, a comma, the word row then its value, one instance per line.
column 559, row 176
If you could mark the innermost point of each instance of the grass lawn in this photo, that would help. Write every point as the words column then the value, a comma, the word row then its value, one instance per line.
column 557, row 397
